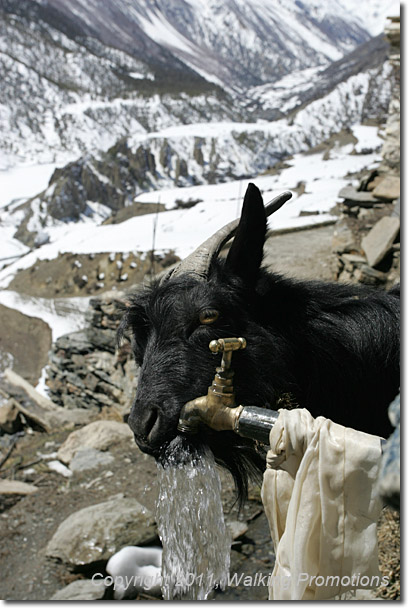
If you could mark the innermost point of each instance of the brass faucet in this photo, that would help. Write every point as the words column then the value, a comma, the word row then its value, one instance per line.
column 216, row 409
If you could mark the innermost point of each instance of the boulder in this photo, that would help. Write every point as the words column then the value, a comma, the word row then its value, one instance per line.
column 98, row 531
column 388, row 188
column 88, row 458
column 18, row 488
column 237, row 528
column 101, row 434
column 81, row 590
column 378, row 242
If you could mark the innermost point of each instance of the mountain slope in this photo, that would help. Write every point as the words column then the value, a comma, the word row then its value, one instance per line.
column 200, row 153
column 235, row 42
column 79, row 75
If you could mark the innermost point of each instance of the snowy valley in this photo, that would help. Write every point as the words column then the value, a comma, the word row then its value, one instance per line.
column 133, row 126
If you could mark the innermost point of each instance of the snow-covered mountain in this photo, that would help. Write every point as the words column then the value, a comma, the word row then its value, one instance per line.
column 79, row 75
column 127, row 96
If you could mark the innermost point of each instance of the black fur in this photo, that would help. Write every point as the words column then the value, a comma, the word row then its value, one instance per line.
column 331, row 348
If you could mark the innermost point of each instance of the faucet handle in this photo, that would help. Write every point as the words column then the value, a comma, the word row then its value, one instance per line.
column 227, row 346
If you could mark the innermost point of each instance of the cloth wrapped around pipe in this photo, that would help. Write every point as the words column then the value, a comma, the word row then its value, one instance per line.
column 320, row 496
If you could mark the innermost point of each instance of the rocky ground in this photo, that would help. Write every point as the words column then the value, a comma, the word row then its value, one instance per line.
column 73, row 275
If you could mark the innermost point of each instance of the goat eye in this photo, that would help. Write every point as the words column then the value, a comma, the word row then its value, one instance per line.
column 208, row 316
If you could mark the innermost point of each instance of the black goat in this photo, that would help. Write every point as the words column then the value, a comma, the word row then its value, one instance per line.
column 331, row 348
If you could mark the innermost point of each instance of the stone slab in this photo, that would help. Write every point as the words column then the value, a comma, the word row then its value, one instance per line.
column 9, row 487
column 378, row 242
column 359, row 197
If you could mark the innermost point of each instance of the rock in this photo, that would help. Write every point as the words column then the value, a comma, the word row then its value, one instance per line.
column 372, row 185
column 81, row 590
column 85, row 371
column 74, row 343
column 40, row 409
column 100, row 435
column 380, row 238
column 361, row 198
column 355, row 259
column 20, row 488
column 102, row 339
column 237, row 528
column 343, row 239
column 388, row 188
column 98, row 531
column 10, row 421
column 368, row 275
column 89, row 458
column 345, row 277
column 396, row 209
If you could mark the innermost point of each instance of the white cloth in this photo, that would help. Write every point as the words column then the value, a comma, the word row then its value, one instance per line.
column 320, row 500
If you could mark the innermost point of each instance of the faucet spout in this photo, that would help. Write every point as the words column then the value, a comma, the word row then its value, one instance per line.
column 204, row 410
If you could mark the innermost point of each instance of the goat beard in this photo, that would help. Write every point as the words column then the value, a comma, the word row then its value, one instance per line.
column 243, row 458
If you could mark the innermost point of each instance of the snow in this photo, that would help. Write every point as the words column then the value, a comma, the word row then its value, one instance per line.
column 182, row 230
column 59, row 467
column 368, row 138
column 62, row 315
column 24, row 181
column 162, row 32
column 372, row 14
column 10, row 248
column 141, row 75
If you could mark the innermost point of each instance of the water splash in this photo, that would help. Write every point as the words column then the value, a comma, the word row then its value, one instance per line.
column 196, row 543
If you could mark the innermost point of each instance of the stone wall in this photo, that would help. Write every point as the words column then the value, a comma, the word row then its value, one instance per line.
column 86, row 370
column 391, row 147
column 366, row 240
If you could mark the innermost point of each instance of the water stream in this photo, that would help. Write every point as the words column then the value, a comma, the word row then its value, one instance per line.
column 196, row 543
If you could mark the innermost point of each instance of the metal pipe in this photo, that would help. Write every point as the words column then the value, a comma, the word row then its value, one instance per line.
column 256, row 423
column 250, row 422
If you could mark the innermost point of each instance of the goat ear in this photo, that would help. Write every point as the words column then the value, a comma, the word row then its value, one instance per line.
column 246, row 253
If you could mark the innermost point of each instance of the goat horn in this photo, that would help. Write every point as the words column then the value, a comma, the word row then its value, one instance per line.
column 199, row 261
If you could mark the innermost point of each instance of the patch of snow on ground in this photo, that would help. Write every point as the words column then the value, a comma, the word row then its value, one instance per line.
column 24, row 181
column 62, row 315
column 368, row 138
column 10, row 248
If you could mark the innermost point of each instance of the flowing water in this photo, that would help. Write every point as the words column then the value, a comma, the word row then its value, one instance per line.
column 196, row 543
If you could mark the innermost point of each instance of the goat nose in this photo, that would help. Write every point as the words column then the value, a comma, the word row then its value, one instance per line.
column 144, row 422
